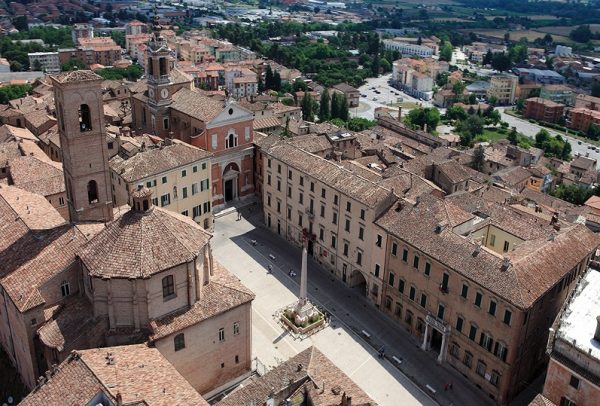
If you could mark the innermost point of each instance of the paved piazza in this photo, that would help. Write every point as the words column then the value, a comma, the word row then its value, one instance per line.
column 342, row 340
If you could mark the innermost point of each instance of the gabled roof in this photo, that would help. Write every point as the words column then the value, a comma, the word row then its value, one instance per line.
column 36, row 175
column 196, row 104
column 306, row 372
column 139, row 374
column 141, row 244
column 155, row 161
column 76, row 76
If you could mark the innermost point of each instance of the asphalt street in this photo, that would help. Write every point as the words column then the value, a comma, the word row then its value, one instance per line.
column 386, row 381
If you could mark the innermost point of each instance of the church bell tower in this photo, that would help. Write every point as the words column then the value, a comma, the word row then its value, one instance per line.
column 80, row 113
column 158, row 73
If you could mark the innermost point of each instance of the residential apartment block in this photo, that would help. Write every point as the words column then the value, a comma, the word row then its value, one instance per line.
column 558, row 94
column 543, row 110
column 503, row 87
column 581, row 118
column 177, row 173
column 49, row 61
column 90, row 51
column 585, row 101
column 416, row 76
column 408, row 49
column 573, row 376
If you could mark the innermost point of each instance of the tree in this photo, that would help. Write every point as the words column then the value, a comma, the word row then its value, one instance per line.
column 594, row 131
column 308, row 107
column 506, row 36
column 487, row 59
column 459, row 87
column 20, row 23
column 325, row 106
column 470, row 128
column 360, row 124
column 581, row 34
column 421, row 117
column 11, row 92
column 16, row 66
column 596, row 88
column 276, row 81
column 446, row 51
column 344, row 113
column 501, row 61
column 269, row 78
column 36, row 66
column 520, row 105
column 572, row 193
column 456, row 113
column 73, row 64
column 335, row 105
column 478, row 159
column 566, row 150
column 513, row 136
column 375, row 65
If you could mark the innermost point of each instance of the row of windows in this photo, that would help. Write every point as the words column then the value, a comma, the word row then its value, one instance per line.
column 486, row 340
column 312, row 190
column 480, row 369
column 198, row 210
column 444, row 285
column 164, row 179
column 179, row 339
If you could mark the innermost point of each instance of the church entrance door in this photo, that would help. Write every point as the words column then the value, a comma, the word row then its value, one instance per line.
column 228, row 190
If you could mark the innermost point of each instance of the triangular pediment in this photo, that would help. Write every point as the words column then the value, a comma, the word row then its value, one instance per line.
column 232, row 113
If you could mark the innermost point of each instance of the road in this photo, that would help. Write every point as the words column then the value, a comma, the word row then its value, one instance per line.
column 387, row 94
column 351, row 313
column 531, row 129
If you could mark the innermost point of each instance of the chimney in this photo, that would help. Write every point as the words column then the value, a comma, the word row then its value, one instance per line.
column 323, row 387
column 505, row 264
column 119, row 399
column 597, row 333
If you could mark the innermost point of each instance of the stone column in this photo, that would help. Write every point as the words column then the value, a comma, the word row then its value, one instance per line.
column 443, row 349
column 425, row 337
column 303, row 277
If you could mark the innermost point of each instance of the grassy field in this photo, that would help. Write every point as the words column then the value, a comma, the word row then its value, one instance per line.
column 564, row 30
column 518, row 34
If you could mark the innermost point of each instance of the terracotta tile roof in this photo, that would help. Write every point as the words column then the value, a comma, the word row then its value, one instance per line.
column 522, row 283
column 29, row 209
column 305, row 372
column 139, row 374
column 140, row 244
column 454, row 171
column 345, row 88
column 72, row 323
column 37, row 176
column 38, row 118
column 73, row 384
column 312, row 143
column 8, row 132
column 157, row 160
column 582, row 162
column 512, row 176
column 196, row 104
column 540, row 400
column 266, row 123
column 222, row 293
column 330, row 173
column 280, row 108
column 8, row 151
column 75, row 76
column 34, row 259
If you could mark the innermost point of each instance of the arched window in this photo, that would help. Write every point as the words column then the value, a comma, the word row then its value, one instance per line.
column 231, row 141
column 92, row 189
column 168, row 287
column 179, row 342
column 150, row 67
column 163, row 66
column 85, row 118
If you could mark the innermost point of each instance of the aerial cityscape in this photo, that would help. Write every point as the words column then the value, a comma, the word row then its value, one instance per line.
column 300, row 202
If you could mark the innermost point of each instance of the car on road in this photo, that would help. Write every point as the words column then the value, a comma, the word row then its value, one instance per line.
column 374, row 98
column 363, row 95
column 589, row 147
column 579, row 142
